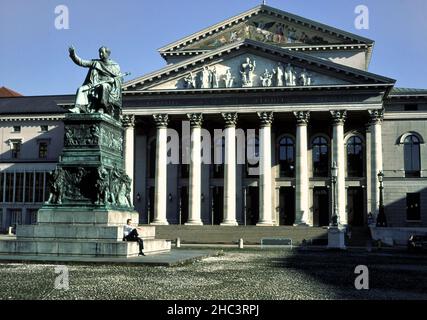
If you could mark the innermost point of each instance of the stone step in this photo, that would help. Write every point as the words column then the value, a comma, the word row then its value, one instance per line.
column 70, row 248
column 155, row 246
column 88, row 232
column 70, row 215
column 83, row 248
column 228, row 235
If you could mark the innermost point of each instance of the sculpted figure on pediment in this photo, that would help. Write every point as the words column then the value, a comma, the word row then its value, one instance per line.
column 206, row 78
column 305, row 78
column 228, row 79
column 247, row 71
column 279, row 74
column 266, row 78
column 190, row 81
column 214, row 78
column 290, row 75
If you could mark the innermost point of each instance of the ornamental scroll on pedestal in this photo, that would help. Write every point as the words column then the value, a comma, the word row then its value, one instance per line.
column 91, row 172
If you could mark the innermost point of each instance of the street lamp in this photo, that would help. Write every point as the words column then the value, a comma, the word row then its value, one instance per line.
column 334, row 175
column 381, row 219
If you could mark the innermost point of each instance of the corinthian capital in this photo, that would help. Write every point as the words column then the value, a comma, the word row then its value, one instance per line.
column 196, row 119
column 161, row 120
column 339, row 116
column 266, row 118
column 128, row 120
column 230, row 119
column 302, row 117
column 377, row 116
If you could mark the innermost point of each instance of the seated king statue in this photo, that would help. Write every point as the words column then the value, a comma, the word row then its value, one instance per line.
column 101, row 90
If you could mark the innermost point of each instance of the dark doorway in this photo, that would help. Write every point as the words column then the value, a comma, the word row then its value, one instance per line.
column 321, row 207
column 252, row 205
column 287, row 206
column 183, row 205
column 218, row 205
column 355, row 205
column 150, row 205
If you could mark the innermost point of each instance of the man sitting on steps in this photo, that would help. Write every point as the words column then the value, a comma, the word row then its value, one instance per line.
column 131, row 234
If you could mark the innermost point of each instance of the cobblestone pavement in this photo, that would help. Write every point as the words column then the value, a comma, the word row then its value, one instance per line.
column 250, row 274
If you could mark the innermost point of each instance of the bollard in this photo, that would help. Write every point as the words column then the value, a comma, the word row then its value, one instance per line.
column 240, row 243
column 178, row 242
column 10, row 233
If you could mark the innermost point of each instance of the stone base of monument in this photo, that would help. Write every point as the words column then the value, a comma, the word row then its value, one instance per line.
column 79, row 233
column 336, row 238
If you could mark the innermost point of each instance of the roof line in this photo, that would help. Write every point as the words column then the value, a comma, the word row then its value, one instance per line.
column 257, row 10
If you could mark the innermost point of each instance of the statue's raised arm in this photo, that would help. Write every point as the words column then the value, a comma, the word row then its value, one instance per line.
column 101, row 91
column 77, row 60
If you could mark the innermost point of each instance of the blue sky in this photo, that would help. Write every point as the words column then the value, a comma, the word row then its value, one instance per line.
column 34, row 55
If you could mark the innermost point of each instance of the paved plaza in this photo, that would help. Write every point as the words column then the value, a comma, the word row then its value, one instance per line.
column 249, row 274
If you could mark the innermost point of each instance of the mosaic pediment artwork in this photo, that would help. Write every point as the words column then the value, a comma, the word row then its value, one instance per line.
column 268, row 30
column 248, row 71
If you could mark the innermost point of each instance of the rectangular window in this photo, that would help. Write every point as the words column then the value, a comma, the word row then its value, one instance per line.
column 16, row 129
column 42, row 150
column 413, row 212
column 9, row 186
column 411, row 107
column 29, row 187
column 16, row 150
column 44, row 128
column 19, row 187
column 39, row 186
column 15, row 217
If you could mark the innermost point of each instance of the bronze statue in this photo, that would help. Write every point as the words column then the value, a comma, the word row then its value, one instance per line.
column 102, row 88
column 56, row 183
column 102, row 186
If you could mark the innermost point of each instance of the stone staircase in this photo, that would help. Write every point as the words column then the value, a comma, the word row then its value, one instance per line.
column 231, row 235
column 360, row 236
column 73, row 233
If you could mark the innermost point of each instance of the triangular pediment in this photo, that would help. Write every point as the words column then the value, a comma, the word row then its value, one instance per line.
column 268, row 25
column 252, row 64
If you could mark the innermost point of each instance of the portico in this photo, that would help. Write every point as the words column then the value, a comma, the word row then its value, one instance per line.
column 294, row 110
column 233, row 180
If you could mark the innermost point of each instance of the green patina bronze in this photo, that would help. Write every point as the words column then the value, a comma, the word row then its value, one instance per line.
column 90, row 172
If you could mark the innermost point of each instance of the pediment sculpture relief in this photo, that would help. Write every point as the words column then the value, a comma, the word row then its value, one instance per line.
column 248, row 76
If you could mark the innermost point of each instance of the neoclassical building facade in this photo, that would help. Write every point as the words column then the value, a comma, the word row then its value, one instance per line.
column 247, row 125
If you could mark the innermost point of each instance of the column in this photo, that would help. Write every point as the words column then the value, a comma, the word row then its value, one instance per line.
column 128, row 122
column 160, row 187
column 376, row 158
column 338, row 155
column 195, row 180
column 265, row 178
column 230, row 170
column 302, row 190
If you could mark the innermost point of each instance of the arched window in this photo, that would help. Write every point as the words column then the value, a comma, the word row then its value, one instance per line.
column 287, row 157
column 320, row 151
column 412, row 156
column 355, row 157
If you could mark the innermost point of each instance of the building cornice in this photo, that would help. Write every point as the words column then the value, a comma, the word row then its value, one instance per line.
column 358, row 76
